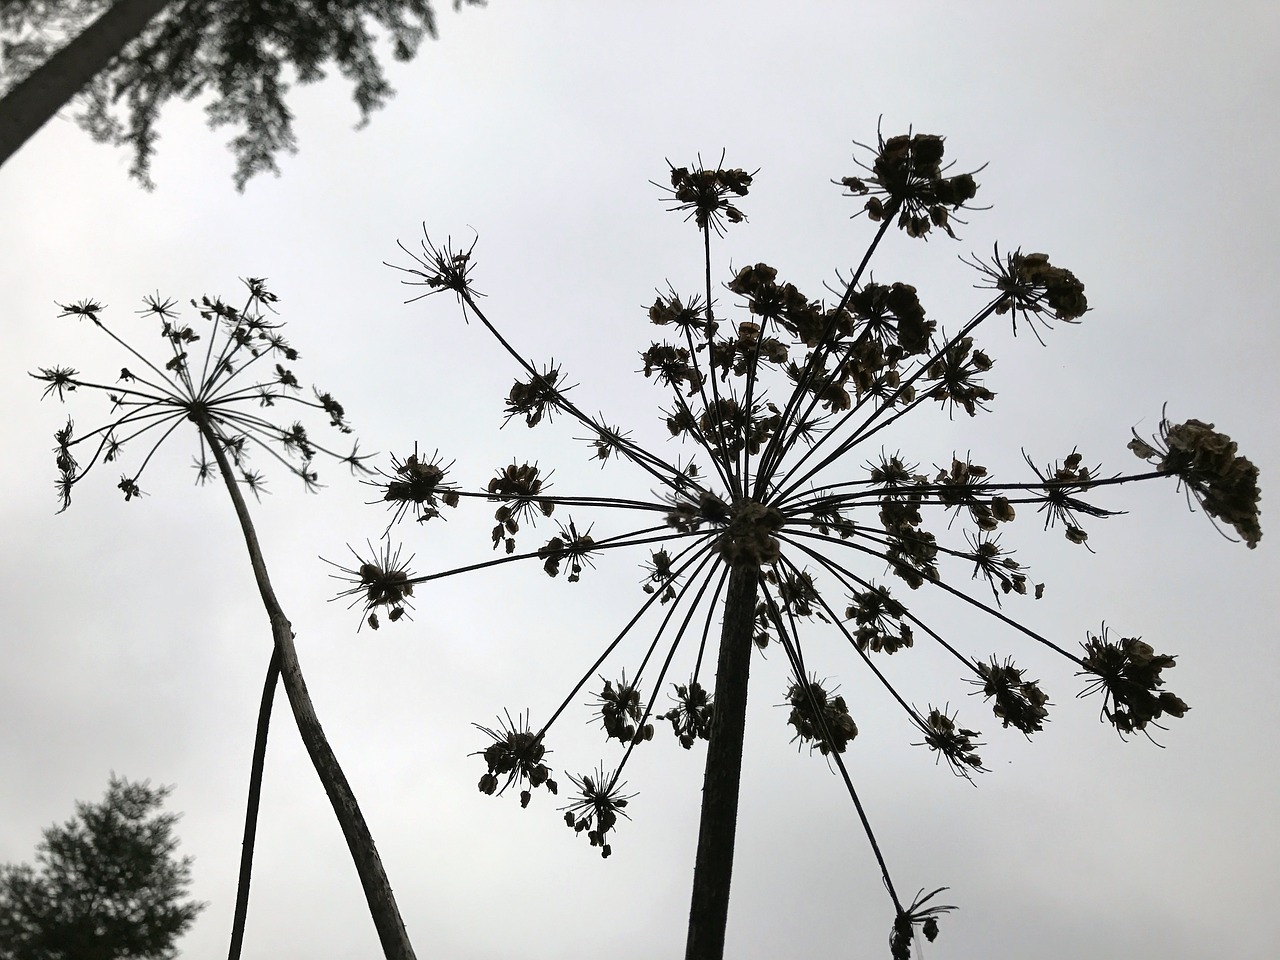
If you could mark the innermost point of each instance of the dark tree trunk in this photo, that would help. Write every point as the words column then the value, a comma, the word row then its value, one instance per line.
column 713, row 868
column 33, row 102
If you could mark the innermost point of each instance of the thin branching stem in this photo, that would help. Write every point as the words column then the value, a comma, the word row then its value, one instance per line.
column 656, row 466
column 839, row 622
column 164, row 384
column 573, row 500
column 704, row 583
column 633, row 539
column 794, row 479
column 870, row 490
column 785, row 437
column 377, row 888
column 835, row 755
column 790, row 640
column 252, row 804
column 706, row 627
column 701, row 554
column 731, row 481
column 938, row 582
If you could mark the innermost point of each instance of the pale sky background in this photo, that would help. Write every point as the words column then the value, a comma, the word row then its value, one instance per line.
column 1134, row 143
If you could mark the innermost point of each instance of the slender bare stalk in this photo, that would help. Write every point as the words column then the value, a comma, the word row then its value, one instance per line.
column 713, row 867
column 251, row 805
column 377, row 888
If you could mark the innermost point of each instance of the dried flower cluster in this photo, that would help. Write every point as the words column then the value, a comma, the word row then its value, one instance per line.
column 907, row 180
column 704, row 193
column 820, row 719
column 1128, row 673
column 1019, row 703
column 415, row 484
column 1224, row 483
column 619, row 709
column 954, row 744
column 785, row 500
column 600, row 801
column 379, row 583
column 515, row 753
column 217, row 387
column 691, row 716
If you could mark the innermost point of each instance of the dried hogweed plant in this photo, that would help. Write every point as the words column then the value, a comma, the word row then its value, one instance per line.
column 789, row 514
column 223, row 377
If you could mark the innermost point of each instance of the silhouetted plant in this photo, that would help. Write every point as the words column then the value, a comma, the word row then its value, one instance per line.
column 220, row 389
column 107, row 884
column 787, row 500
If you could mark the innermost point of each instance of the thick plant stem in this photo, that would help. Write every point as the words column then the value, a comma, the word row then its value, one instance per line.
column 713, row 868
column 377, row 889
column 251, row 805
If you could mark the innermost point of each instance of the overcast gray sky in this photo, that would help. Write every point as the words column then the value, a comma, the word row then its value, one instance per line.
column 1134, row 143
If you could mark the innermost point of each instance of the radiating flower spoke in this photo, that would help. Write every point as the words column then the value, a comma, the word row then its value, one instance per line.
column 780, row 405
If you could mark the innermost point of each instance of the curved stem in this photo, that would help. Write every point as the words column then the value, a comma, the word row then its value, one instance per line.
column 377, row 889
column 251, row 805
column 717, row 831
